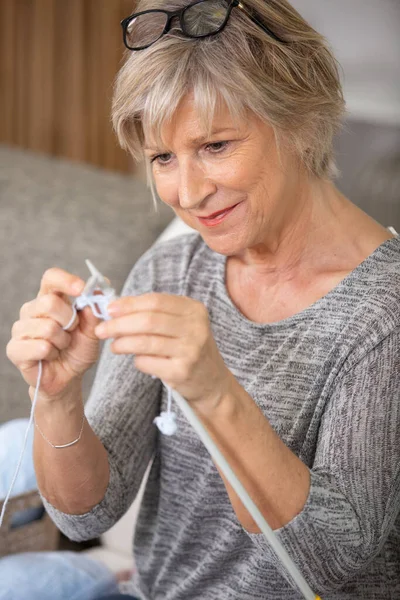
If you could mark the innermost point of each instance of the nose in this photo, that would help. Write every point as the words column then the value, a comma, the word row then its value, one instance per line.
column 194, row 185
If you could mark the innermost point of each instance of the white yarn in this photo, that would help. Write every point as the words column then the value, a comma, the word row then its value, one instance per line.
column 166, row 421
column 99, row 300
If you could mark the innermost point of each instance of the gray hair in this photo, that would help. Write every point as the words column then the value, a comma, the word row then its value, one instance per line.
column 294, row 87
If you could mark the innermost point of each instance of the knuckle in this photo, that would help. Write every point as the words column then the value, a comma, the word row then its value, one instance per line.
column 153, row 347
column 24, row 309
column 155, row 301
column 49, row 303
column 45, row 348
column 48, row 275
column 15, row 328
column 50, row 329
column 200, row 334
column 148, row 321
column 9, row 350
column 141, row 345
column 201, row 309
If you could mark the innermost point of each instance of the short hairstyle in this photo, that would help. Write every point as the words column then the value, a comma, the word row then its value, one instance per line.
column 295, row 86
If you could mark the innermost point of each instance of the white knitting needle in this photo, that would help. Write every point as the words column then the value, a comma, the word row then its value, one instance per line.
column 95, row 272
column 95, row 280
column 223, row 464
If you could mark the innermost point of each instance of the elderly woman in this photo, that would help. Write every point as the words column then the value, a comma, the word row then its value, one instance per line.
column 277, row 319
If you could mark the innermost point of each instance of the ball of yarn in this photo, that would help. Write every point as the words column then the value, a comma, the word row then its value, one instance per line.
column 166, row 423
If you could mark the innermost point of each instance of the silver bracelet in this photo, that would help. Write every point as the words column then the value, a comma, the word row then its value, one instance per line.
column 63, row 445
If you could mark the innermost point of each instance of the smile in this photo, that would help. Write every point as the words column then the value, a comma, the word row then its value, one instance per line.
column 218, row 217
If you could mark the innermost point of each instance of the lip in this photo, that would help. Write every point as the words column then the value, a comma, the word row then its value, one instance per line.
column 218, row 212
column 217, row 217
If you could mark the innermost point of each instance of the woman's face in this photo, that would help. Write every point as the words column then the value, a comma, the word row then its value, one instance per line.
column 235, row 167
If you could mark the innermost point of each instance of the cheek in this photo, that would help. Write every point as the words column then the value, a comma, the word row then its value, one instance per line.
column 235, row 170
column 260, row 176
column 167, row 189
column 246, row 169
column 242, row 178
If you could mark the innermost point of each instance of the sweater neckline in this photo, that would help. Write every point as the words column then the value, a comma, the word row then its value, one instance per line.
column 380, row 253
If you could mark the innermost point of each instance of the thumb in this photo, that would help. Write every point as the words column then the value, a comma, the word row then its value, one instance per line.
column 88, row 322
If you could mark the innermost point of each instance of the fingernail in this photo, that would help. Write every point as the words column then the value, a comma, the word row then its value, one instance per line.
column 112, row 309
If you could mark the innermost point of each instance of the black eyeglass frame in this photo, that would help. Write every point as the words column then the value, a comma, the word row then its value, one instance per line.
column 180, row 14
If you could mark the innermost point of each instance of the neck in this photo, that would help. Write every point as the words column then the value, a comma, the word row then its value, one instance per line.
column 313, row 222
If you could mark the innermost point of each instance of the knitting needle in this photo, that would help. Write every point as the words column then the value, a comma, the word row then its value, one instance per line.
column 226, row 469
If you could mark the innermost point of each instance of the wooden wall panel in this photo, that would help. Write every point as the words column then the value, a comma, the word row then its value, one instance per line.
column 41, row 86
column 7, row 70
column 69, row 79
column 58, row 61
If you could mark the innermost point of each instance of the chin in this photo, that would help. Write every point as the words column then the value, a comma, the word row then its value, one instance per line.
column 228, row 244
column 228, row 236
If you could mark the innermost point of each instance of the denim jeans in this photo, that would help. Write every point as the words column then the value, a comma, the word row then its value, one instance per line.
column 118, row 597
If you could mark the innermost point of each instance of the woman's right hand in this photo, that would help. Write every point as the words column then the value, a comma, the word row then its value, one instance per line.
column 39, row 335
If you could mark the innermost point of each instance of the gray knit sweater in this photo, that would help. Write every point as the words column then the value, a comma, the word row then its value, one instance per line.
column 328, row 381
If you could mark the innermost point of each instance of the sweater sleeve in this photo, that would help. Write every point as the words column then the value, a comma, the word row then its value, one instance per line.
column 354, row 497
column 121, row 407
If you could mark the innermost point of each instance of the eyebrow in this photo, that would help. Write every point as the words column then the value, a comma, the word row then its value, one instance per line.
column 199, row 140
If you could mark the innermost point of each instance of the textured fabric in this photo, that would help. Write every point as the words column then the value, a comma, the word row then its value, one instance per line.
column 327, row 379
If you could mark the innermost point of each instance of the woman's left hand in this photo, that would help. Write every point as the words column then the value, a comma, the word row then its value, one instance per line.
column 171, row 338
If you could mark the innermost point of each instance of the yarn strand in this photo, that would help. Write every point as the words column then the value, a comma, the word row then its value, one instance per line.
column 3, row 510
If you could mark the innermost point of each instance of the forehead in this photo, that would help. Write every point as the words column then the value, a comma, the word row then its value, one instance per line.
column 190, row 125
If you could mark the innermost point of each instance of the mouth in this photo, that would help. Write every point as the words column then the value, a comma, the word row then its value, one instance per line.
column 217, row 217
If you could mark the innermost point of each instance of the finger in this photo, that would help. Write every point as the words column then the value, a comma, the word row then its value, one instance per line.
column 165, row 303
column 153, row 345
column 59, row 281
column 50, row 306
column 41, row 328
column 25, row 353
column 142, row 323
column 161, row 367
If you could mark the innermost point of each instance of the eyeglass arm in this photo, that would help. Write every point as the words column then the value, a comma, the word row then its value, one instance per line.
column 259, row 23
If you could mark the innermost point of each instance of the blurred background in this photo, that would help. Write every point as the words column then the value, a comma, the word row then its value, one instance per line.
column 68, row 192
column 365, row 36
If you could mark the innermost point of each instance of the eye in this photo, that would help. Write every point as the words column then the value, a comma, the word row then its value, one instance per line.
column 161, row 159
column 217, row 147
